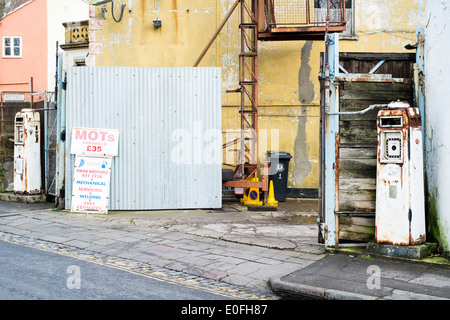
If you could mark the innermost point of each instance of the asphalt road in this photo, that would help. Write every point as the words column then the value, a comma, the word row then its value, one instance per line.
column 31, row 274
column 11, row 207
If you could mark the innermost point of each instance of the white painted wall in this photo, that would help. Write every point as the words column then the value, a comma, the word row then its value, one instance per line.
column 59, row 11
column 437, row 114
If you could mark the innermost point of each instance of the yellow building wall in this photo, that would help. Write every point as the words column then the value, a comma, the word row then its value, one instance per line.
column 288, row 71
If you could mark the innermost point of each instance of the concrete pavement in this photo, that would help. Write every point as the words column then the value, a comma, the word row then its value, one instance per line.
column 353, row 277
column 267, row 254
column 233, row 245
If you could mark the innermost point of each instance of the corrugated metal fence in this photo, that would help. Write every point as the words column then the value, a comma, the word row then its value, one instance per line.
column 170, row 144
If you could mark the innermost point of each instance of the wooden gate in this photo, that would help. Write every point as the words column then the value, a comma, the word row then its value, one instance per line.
column 356, row 141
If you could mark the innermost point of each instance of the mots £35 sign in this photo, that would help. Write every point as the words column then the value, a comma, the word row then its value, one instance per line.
column 94, row 142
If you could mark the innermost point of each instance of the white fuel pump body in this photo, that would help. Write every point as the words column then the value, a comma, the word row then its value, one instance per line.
column 27, row 153
column 400, row 207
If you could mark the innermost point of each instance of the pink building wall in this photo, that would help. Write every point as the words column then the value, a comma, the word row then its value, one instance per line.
column 30, row 23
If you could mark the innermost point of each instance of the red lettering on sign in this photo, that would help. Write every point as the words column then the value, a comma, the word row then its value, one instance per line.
column 95, row 141
column 103, row 134
column 94, row 135
column 94, row 148
column 80, row 135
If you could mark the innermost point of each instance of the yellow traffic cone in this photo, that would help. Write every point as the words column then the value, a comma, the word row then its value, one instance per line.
column 245, row 196
column 271, row 198
column 253, row 197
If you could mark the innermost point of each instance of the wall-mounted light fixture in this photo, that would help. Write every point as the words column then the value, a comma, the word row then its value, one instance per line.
column 157, row 23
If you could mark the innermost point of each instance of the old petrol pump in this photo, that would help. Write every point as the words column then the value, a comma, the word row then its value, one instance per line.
column 400, row 209
column 27, row 153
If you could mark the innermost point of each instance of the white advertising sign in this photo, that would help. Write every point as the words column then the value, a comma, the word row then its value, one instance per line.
column 95, row 142
column 13, row 97
column 91, row 181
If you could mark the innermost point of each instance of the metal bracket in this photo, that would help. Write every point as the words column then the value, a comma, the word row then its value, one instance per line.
column 377, row 66
column 122, row 7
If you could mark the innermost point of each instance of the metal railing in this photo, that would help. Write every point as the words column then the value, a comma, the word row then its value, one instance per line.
column 304, row 13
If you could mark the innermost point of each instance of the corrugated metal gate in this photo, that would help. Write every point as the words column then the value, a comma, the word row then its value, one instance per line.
column 12, row 102
column 50, row 148
column 170, row 143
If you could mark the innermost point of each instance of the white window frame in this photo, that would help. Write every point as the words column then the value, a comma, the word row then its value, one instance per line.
column 12, row 55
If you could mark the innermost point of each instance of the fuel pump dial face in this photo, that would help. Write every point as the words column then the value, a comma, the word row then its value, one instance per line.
column 393, row 148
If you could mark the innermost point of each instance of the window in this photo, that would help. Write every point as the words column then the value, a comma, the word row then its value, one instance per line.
column 349, row 32
column 335, row 15
column 12, row 47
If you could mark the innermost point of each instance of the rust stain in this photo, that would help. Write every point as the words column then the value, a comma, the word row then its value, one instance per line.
column 175, row 15
column 394, row 243
column 368, row 78
column 420, row 240
column 143, row 9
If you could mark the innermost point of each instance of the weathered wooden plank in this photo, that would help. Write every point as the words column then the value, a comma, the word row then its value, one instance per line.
column 356, row 136
column 376, row 86
column 355, row 169
column 356, row 228
column 360, row 206
column 358, row 153
column 356, row 236
column 357, row 184
column 358, row 164
column 375, row 91
column 366, row 56
column 368, row 221
column 387, row 95
column 358, row 132
column 357, row 195
column 369, row 126
column 356, row 126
